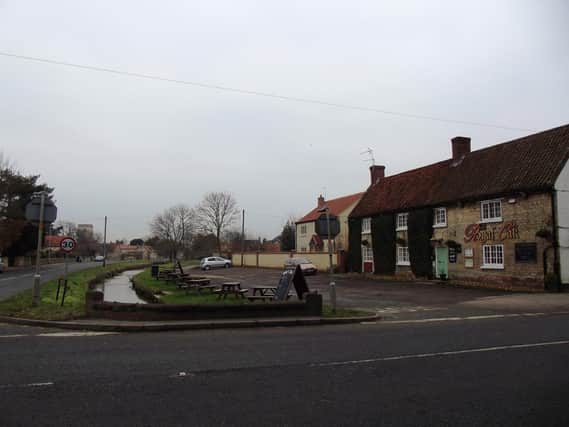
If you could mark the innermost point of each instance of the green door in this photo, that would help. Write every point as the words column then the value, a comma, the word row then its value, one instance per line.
column 442, row 262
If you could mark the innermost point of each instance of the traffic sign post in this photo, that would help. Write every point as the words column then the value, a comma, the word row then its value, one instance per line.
column 39, row 211
column 67, row 245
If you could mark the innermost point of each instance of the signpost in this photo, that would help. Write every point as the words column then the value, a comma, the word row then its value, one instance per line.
column 39, row 210
column 67, row 245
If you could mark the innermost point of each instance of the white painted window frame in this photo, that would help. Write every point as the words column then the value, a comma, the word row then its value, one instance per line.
column 437, row 224
column 366, row 226
column 403, row 255
column 401, row 227
column 488, row 203
column 492, row 265
column 367, row 254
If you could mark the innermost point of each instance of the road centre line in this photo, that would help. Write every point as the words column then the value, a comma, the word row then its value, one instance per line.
column 483, row 317
column 45, row 384
column 440, row 354
column 62, row 334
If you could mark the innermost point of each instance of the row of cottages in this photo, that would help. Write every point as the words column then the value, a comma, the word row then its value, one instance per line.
column 497, row 216
column 306, row 238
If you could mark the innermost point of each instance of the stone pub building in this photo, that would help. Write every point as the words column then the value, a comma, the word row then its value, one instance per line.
column 498, row 216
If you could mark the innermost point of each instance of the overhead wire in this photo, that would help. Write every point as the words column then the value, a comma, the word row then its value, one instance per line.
column 262, row 94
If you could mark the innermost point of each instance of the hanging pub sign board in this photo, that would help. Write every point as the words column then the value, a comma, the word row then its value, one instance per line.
column 67, row 244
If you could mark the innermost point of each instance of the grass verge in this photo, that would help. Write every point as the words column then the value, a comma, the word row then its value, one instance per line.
column 20, row 305
column 169, row 294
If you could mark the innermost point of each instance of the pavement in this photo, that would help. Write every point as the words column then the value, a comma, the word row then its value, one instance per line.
column 388, row 301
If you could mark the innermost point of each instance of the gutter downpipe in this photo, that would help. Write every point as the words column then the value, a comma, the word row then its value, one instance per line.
column 555, row 243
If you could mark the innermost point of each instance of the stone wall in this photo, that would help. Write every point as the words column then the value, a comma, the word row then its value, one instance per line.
column 522, row 217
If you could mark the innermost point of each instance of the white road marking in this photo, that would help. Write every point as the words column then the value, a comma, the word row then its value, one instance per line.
column 459, row 318
column 45, row 384
column 75, row 334
column 441, row 353
column 62, row 334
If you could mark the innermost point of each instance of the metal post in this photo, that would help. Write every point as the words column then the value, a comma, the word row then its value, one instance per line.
column 105, row 244
column 37, row 277
column 332, row 283
column 242, row 237
column 64, row 278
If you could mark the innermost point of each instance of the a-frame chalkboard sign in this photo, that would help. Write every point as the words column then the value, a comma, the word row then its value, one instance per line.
column 288, row 277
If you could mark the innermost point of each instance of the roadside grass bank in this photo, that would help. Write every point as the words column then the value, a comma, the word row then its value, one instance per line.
column 20, row 305
column 162, row 292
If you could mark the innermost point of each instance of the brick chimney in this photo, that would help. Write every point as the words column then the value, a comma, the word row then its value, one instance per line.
column 460, row 147
column 377, row 173
column 321, row 202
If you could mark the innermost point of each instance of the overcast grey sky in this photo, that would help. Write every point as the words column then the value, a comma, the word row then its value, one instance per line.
column 128, row 147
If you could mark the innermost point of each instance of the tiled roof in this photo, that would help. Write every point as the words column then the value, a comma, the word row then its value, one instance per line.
column 529, row 164
column 337, row 206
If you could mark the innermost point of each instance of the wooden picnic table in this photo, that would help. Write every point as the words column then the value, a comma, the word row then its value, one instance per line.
column 198, row 283
column 264, row 290
column 264, row 293
column 230, row 288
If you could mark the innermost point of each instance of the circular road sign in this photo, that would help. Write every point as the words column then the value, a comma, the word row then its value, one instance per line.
column 67, row 244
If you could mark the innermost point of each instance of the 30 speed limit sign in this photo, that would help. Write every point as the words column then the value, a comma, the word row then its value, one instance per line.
column 67, row 244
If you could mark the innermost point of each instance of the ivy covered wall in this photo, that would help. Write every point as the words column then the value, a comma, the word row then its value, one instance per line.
column 354, row 250
column 419, row 233
column 383, row 241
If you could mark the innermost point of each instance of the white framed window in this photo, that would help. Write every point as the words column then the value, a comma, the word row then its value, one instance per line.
column 491, row 211
column 440, row 217
column 493, row 256
column 303, row 229
column 367, row 254
column 403, row 255
column 401, row 223
column 366, row 225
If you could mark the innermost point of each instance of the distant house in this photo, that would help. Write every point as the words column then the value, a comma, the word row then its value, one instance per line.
column 498, row 215
column 306, row 238
column 133, row 252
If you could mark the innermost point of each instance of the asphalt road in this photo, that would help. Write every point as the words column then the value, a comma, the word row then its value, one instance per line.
column 17, row 280
column 492, row 372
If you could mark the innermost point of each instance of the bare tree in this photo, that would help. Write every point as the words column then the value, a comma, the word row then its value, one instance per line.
column 174, row 227
column 216, row 212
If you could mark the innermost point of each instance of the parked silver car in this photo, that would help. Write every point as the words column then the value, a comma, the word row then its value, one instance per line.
column 214, row 262
column 1, row 265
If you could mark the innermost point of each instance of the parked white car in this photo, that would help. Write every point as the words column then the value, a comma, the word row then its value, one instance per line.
column 306, row 266
column 214, row 262
column 99, row 258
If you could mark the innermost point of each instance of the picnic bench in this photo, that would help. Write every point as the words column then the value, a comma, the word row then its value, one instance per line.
column 198, row 283
column 264, row 293
column 230, row 288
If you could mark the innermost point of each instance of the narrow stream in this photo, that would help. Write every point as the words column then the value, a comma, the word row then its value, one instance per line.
column 119, row 288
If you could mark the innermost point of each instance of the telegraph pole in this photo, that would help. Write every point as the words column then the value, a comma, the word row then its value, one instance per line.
column 105, row 244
